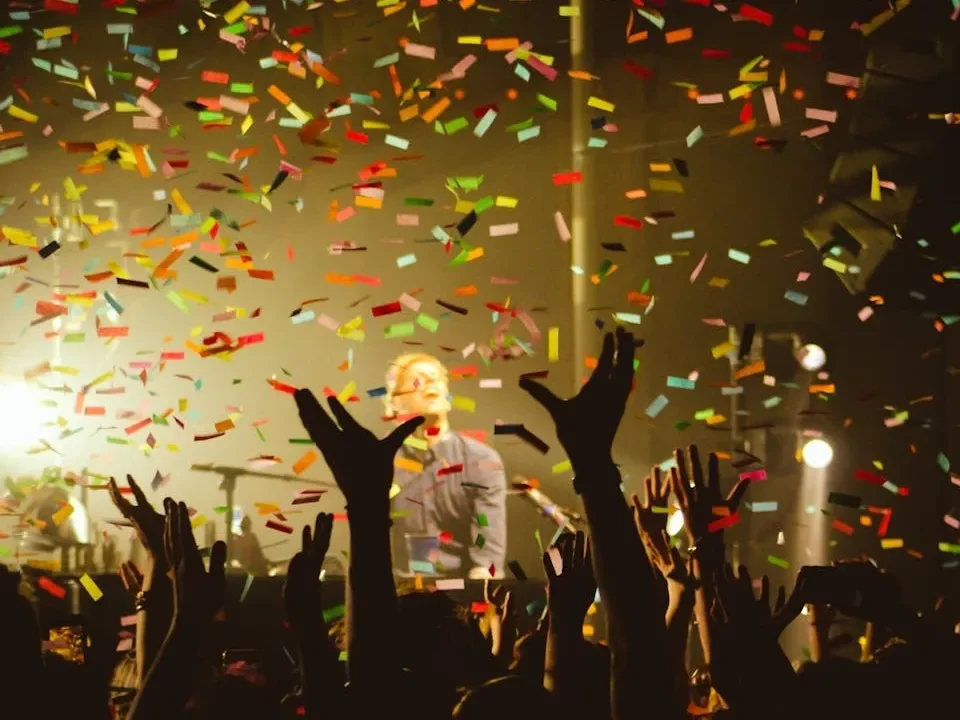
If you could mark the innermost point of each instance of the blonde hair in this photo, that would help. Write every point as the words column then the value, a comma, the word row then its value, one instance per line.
column 398, row 373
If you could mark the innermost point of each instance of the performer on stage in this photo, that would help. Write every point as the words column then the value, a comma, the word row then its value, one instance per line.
column 453, row 510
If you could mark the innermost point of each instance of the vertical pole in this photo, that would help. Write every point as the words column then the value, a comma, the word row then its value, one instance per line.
column 580, row 48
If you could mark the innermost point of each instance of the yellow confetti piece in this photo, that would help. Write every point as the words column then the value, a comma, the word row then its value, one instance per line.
column 93, row 590
column 198, row 520
column 875, row 185
column 246, row 125
column 394, row 490
column 891, row 543
column 660, row 167
column 722, row 350
column 463, row 403
column 20, row 114
column 61, row 515
column 56, row 32
column 561, row 467
column 506, row 201
column 167, row 54
column 182, row 205
column 599, row 104
column 344, row 395
column 470, row 40
column 408, row 464
column 235, row 13
column 553, row 344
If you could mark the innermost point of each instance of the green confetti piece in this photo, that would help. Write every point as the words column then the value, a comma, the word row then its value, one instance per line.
column 238, row 28
column 300, row 441
column 427, row 322
column 456, row 125
column 117, row 440
column 956, row 229
column 484, row 204
column 778, row 562
column 399, row 330
column 596, row 142
column 547, row 102
column 417, row 202
column 681, row 383
column 10, row 31
column 482, row 520
column 480, row 541
column 174, row 297
column 944, row 462
column 703, row 414
column 517, row 127
column 772, row 402
column 334, row 613
column 240, row 88
column 211, row 155
column 682, row 425
column 391, row 59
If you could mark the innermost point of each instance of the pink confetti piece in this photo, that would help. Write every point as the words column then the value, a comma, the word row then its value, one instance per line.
column 562, row 230
column 828, row 116
column 802, row 276
column 696, row 271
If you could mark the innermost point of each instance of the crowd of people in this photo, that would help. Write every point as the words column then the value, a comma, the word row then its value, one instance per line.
column 418, row 654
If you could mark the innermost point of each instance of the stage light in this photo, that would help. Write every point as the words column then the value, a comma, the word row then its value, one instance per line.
column 812, row 357
column 675, row 523
column 22, row 415
column 817, row 453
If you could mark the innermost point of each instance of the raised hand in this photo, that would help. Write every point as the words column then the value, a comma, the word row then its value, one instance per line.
column 587, row 423
column 698, row 496
column 131, row 577
column 197, row 593
column 862, row 590
column 651, row 514
column 571, row 589
column 301, row 591
column 667, row 559
column 362, row 464
column 503, row 620
column 147, row 522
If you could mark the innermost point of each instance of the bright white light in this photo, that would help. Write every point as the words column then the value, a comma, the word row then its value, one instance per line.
column 812, row 357
column 817, row 454
column 22, row 416
column 675, row 523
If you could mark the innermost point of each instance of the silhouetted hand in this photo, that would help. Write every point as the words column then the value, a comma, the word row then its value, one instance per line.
column 147, row 522
column 197, row 593
column 651, row 514
column 667, row 559
column 503, row 620
column 361, row 463
column 131, row 577
column 699, row 498
column 752, row 614
column 864, row 591
column 571, row 590
column 301, row 590
column 587, row 423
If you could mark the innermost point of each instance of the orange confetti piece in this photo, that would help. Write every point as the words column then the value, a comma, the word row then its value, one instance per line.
column 280, row 146
column 304, row 463
column 681, row 35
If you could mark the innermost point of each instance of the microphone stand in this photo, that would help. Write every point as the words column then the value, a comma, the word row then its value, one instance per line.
column 561, row 516
column 228, row 484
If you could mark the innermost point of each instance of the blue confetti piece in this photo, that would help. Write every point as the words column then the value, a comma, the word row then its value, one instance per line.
column 695, row 136
column 655, row 407
column 739, row 256
column 759, row 507
column 681, row 383
column 793, row 296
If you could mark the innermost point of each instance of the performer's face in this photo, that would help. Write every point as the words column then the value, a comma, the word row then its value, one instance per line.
column 424, row 390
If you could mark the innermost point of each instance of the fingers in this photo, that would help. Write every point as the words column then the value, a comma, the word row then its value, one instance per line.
column 217, row 574
column 713, row 475
column 344, row 419
column 579, row 547
column 542, row 394
column 138, row 493
column 683, row 472
column 765, row 593
column 781, row 600
column 649, row 494
column 696, row 468
column 680, row 490
column 312, row 416
column 120, row 502
column 659, row 486
column 605, row 363
column 623, row 372
column 323, row 530
column 550, row 558
column 403, row 431
column 170, row 544
column 305, row 542
column 736, row 495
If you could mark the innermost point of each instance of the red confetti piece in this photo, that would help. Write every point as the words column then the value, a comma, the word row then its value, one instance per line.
column 715, row 54
column 45, row 583
column 842, row 527
column 869, row 477
column 61, row 7
column 567, row 178
column 746, row 113
column 723, row 523
column 626, row 221
column 478, row 608
column 299, row 30
column 449, row 470
column 756, row 14
column 218, row 78
column 279, row 528
column 791, row 46
column 386, row 309
column 282, row 387
column 358, row 137
column 639, row 71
